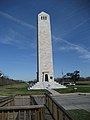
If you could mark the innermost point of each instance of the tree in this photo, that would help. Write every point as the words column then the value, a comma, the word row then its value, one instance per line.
column 74, row 76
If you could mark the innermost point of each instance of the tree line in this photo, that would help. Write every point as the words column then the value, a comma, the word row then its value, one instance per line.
column 72, row 77
column 5, row 80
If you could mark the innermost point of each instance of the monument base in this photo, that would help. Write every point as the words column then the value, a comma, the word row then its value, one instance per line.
column 46, row 85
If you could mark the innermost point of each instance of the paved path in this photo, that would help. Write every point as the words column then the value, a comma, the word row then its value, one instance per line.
column 74, row 101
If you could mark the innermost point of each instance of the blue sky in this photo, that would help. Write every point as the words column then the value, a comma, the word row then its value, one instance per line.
column 70, row 21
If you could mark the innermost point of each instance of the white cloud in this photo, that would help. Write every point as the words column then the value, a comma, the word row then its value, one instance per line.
column 17, row 39
column 12, row 37
column 75, row 27
column 65, row 46
column 6, row 15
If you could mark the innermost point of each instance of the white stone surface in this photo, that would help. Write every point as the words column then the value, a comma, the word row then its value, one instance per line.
column 46, row 85
column 44, row 56
column 45, row 62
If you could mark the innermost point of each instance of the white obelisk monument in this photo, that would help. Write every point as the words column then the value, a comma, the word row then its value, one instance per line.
column 45, row 76
column 45, row 61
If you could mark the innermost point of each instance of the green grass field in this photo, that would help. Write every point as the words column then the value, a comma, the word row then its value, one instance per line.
column 70, row 89
column 79, row 114
column 83, row 82
column 19, row 88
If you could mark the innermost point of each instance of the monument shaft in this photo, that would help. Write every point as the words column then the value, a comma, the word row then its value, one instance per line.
column 45, row 61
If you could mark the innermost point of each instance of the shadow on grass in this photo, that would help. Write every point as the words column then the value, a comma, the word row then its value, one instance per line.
column 79, row 114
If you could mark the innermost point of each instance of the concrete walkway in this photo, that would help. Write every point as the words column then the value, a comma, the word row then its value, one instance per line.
column 74, row 101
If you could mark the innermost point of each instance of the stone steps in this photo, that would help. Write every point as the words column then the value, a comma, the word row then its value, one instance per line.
column 46, row 85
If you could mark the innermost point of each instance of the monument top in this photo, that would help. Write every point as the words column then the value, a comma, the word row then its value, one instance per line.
column 42, row 13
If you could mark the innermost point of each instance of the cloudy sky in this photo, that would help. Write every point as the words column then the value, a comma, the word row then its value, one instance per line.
column 70, row 22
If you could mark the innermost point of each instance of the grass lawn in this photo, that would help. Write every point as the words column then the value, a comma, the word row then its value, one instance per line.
column 70, row 89
column 79, row 114
column 83, row 82
column 19, row 88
